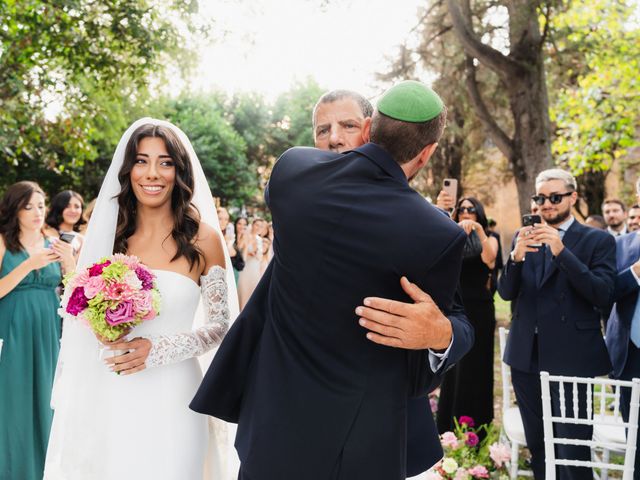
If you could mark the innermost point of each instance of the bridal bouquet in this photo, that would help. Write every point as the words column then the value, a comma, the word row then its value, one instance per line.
column 113, row 295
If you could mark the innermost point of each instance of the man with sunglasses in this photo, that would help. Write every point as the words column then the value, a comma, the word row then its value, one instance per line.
column 560, row 278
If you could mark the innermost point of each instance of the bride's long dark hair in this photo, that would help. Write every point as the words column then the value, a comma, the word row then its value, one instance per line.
column 186, row 217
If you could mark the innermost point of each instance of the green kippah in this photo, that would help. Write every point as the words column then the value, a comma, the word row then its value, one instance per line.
column 410, row 101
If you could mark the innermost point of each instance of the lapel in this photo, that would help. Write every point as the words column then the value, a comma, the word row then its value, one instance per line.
column 380, row 157
column 629, row 250
column 570, row 239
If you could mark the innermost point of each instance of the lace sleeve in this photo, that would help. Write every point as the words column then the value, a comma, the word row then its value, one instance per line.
column 167, row 349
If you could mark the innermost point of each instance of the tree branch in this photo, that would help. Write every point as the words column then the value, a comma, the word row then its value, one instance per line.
column 491, row 57
column 499, row 137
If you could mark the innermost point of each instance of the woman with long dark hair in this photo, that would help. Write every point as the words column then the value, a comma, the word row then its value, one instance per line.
column 31, row 267
column 65, row 219
column 129, row 417
column 467, row 389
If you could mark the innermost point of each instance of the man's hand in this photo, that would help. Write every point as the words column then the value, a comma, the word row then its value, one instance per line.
column 545, row 234
column 413, row 326
column 524, row 243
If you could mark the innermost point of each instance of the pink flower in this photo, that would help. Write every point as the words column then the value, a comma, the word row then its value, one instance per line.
column 499, row 453
column 468, row 421
column 472, row 439
column 77, row 302
column 479, row 471
column 97, row 269
column 143, row 301
column 93, row 286
column 145, row 276
column 449, row 439
column 119, row 291
column 131, row 279
column 122, row 313
column 461, row 474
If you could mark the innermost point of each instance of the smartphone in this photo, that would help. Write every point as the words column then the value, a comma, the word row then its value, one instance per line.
column 67, row 237
column 450, row 185
column 529, row 220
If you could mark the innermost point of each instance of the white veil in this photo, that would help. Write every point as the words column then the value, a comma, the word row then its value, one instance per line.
column 72, row 374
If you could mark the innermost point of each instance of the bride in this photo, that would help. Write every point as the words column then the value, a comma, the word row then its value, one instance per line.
column 154, row 203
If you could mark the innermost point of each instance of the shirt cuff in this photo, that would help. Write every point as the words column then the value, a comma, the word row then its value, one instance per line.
column 436, row 360
column 635, row 276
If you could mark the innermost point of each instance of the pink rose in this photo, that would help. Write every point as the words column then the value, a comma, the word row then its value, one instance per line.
column 468, row 421
column 461, row 474
column 449, row 439
column 122, row 313
column 472, row 439
column 143, row 301
column 499, row 453
column 479, row 471
column 93, row 286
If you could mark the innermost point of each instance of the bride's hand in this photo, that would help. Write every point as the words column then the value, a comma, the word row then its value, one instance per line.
column 134, row 360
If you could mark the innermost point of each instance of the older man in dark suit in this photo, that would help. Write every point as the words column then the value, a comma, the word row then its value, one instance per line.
column 623, row 327
column 322, row 401
column 559, row 291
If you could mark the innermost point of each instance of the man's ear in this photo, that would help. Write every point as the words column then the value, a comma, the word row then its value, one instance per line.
column 426, row 153
column 366, row 130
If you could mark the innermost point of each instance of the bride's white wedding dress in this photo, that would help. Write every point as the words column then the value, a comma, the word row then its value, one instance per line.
column 114, row 427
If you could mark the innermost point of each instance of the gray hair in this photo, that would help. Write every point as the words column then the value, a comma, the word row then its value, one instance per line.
column 557, row 174
column 334, row 95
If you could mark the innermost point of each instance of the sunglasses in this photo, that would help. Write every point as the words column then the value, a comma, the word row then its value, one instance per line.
column 467, row 210
column 554, row 198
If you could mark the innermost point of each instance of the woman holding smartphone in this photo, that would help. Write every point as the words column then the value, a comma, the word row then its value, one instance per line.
column 31, row 267
column 467, row 389
column 65, row 219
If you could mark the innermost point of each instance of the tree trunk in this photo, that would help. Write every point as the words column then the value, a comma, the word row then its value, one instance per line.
column 528, row 150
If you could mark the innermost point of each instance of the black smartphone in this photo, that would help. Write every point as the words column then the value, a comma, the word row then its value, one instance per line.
column 529, row 220
column 67, row 237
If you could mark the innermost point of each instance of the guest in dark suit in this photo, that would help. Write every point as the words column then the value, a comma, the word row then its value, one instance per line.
column 322, row 401
column 338, row 120
column 623, row 327
column 559, row 292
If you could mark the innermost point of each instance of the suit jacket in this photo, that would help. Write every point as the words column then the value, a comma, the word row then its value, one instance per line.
column 625, row 297
column 315, row 399
column 564, row 305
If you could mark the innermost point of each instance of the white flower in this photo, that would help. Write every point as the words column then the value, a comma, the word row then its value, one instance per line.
column 449, row 465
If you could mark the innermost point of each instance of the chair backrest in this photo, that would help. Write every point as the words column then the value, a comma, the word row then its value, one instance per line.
column 507, row 401
column 599, row 393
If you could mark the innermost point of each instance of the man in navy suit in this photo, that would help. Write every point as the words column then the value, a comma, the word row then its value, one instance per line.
column 623, row 327
column 319, row 400
column 559, row 291
column 338, row 120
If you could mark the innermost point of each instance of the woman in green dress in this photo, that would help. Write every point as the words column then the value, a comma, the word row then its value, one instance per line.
column 31, row 268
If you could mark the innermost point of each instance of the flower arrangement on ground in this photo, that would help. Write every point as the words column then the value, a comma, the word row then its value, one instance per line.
column 467, row 457
column 113, row 295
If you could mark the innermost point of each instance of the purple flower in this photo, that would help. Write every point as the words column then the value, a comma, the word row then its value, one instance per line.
column 145, row 277
column 122, row 313
column 472, row 439
column 77, row 302
column 468, row 421
column 97, row 269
